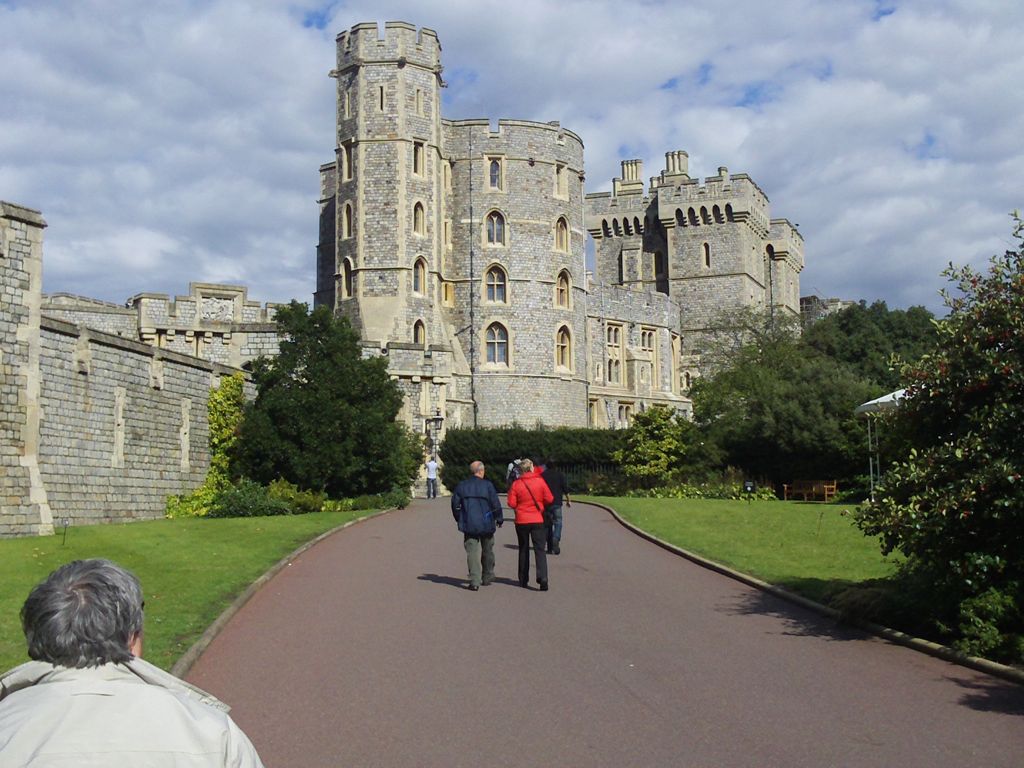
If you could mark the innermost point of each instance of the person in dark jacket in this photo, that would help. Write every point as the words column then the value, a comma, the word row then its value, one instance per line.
column 477, row 510
column 560, row 490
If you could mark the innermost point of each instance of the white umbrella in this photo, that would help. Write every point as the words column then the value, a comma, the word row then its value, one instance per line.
column 872, row 408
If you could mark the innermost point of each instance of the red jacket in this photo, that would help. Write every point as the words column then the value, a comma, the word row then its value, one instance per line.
column 529, row 508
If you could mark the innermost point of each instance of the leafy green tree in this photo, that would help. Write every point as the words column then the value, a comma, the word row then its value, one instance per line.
column 955, row 505
column 869, row 338
column 658, row 445
column 781, row 410
column 324, row 417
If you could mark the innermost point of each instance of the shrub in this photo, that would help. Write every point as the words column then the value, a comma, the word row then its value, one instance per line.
column 300, row 502
column 247, row 499
column 396, row 498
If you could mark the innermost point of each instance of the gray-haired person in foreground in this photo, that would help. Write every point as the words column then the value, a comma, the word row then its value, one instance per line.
column 88, row 699
column 477, row 509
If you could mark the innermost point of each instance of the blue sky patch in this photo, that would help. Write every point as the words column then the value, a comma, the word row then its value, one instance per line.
column 704, row 73
column 883, row 8
column 926, row 148
column 319, row 17
column 669, row 85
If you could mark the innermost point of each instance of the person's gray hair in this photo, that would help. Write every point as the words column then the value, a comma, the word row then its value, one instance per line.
column 475, row 467
column 85, row 614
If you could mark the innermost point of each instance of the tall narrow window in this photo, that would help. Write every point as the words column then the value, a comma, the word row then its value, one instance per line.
column 497, row 344
column 562, row 287
column 419, row 219
column 448, row 176
column 495, row 228
column 622, row 268
column 448, row 294
column 419, row 101
column 494, row 173
column 346, row 221
column 348, row 103
column 418, row 162
column 561, row 234
column 707, row 254
column 496, row 283
column 419, row 333
column 561, row 180
column 660, row 272
column 648, row 343
column 347, row 282
column 563, row 348
column 614, row 354
column 347, row 156
column 380, row 98
column 448, row 233
column 419, row 276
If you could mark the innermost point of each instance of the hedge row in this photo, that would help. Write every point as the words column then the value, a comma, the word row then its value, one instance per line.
column 578, row 452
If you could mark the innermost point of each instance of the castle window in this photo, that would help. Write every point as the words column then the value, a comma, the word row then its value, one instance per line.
column 693, row 217
column 563, row 290
column 419, row 102
column 380, row 98
column 680, row 218
column 728, row 213
column 448, row 233
column 561, row 181
column 496, row 343
column 605, row 230
column 707, row 255
column 627, row 226
column 448, row 176
column 496, row 283
column 704, row 215
column 419, row 276
column 717, row 213
column 649, row 344
column 418, row 158
column 346, row 159
column 613, row 350
column 660, row 272
column 494, row 174
column 616, row 228
column 636, row 226
column 346, row 221
column 495, row 228
column 622, row 268
column 562, row 235
column 348, row 103
column 563, row 348
column 448, row 294
column 419, row 333
column 592, row 413
column 419, row 219
column 347, row 280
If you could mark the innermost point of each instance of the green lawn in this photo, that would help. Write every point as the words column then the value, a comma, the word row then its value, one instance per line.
column 807, row 548
column 190, row 569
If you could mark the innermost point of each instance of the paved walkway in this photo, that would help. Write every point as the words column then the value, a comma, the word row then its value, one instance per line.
column 369, row 651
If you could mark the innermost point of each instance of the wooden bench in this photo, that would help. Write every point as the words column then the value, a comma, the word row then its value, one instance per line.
column 810, row 490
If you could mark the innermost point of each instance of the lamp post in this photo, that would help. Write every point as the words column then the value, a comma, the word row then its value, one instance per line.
column 433, row 425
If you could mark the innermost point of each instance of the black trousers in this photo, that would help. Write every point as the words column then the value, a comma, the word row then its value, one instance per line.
column 536, row 533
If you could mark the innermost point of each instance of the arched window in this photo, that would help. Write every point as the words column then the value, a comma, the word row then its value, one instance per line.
column 419, row 333
column 347, row 280
column 680, row 217
column 693, row 217
column 728, row 213
column 346, row 221
column 494, row 173
column 717, row 213
column 563, row 348
column 704, row 215
column 636, row 226
column 496, row 343
column 496, row 282
column 707, row 255
column 418, row 158
column 616, row 228
column 605, row 229
column 419, row 219
column 495, row 228
column 627, row 226
column 561, row 235
column 563, row 287
column 419, row 276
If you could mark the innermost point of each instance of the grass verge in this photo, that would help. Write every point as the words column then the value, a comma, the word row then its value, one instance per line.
column 812, row 549
column 191, row 569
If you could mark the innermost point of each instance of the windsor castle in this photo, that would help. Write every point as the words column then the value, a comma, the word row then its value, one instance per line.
column 457, row 251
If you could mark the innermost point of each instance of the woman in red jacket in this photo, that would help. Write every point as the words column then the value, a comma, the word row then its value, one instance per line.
column 528, row 496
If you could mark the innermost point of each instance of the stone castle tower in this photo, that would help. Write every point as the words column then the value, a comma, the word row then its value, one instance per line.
column 458, row 251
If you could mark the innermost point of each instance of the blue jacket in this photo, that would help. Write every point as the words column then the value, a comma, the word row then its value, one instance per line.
column 476, row 507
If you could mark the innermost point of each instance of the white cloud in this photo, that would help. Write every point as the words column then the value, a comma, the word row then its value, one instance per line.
column 179, row 140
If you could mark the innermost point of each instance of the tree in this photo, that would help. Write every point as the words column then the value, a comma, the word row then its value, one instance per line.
column 866, row 338
column 955, row 506
column 781, row 410
column 324, row 417
column 658, row 444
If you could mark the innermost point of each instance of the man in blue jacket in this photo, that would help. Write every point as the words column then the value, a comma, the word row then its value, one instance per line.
column 477, row 510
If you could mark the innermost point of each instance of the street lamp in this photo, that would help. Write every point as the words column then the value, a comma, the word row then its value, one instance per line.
column 433, row 426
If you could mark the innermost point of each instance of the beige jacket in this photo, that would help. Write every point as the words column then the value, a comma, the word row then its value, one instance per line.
column 115, row 715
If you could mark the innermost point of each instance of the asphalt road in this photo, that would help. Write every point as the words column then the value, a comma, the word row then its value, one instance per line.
column 369, row 651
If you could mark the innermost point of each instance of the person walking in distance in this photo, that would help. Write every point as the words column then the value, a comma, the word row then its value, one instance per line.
column 560, row 490
column 477, row 510
column 88, row 698
column 528, row 496
column 431, row 466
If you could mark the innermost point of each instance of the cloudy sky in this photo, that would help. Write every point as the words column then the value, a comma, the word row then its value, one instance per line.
column 176, row 140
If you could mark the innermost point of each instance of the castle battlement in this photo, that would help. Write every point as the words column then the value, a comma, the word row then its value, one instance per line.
column 401, row 44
